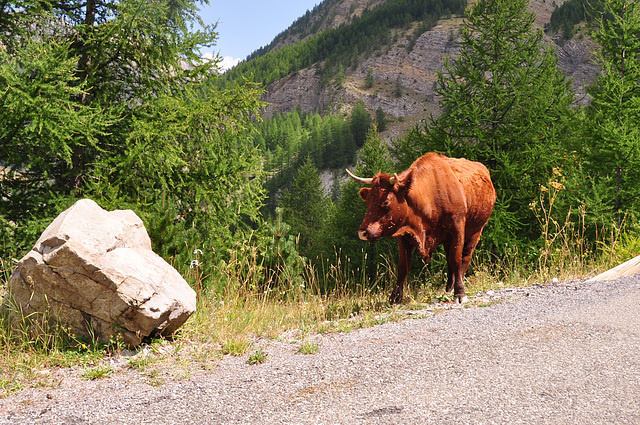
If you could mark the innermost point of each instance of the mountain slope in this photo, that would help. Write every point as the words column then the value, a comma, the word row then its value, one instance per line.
column 403, row 70
column 328, row 14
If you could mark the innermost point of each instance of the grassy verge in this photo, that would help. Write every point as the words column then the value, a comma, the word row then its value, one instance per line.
column 232, row 321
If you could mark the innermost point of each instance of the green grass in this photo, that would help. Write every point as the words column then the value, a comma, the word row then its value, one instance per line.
column 308, row 347
column 258, row 357
column 231, row 318
column 236, row 346
column 142, row 361
column 97, row 372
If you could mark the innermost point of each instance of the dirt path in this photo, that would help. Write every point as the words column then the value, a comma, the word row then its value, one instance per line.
column 558, row 354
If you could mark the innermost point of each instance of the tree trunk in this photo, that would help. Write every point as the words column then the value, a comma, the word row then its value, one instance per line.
column 84, row 66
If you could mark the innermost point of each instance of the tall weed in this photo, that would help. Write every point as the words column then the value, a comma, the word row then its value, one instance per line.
column 567, row 251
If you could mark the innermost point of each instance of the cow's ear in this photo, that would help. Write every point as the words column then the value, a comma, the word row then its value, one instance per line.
column 364, row 192
column 403, row 183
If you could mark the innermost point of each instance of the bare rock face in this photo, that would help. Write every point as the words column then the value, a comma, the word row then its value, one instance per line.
column 414, row 70
column 95, row 271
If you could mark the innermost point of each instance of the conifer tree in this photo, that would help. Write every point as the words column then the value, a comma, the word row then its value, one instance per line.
column 505, row 104
column 614, row 112
column 304, row 208
column 359, row 121
column 110, row 100
column 381, row 119
column 369, row 80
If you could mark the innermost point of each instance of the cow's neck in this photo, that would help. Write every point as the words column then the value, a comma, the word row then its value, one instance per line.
column 422, row 240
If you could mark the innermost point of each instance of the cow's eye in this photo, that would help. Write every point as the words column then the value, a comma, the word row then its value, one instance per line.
column 386, row 203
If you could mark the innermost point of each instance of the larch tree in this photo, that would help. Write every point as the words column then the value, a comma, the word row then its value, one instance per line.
column 121, row 108
column 504, row 103
column 613, row 140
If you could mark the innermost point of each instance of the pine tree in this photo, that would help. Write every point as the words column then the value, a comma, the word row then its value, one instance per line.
column 397, row 90
column 369, row 80
column 359, row 122
column 381, row 119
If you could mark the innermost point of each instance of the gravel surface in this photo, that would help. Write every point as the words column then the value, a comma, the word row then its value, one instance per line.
column 550, row 354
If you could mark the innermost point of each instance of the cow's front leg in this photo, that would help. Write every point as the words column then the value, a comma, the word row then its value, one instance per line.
column 453, row 288
column 404, row 264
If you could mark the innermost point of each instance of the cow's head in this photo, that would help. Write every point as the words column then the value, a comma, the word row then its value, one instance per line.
column 386, row 206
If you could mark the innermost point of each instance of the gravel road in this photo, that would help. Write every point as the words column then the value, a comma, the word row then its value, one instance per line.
column 551, row 354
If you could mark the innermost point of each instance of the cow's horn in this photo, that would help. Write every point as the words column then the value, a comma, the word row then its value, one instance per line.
column 368, row 181
column 393, row 180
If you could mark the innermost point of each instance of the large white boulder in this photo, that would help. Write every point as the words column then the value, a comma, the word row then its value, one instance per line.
column 95, row 271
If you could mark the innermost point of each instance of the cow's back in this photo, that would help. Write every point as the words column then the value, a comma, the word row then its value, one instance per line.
column 447, row 185
column 479, row 191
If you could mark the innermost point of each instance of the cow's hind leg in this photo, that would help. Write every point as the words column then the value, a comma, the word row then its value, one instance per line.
column 469, row 246
column 454, row 250
column 456, row 279
column 449, row 287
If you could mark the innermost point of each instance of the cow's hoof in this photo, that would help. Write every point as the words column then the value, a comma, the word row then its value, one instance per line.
column 395, row 299
column 461, row 299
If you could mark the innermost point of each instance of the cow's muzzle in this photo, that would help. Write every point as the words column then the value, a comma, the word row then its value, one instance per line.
column 370, row 233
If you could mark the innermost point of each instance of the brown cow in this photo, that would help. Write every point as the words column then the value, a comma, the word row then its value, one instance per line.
column 438, row 200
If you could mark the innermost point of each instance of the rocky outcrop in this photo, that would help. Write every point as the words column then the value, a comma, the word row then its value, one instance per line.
column 301, row 89
column 576, row 60
column 414, row 70
column 95, row 272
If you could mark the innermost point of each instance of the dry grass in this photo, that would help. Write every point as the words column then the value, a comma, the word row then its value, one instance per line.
column 230, row 319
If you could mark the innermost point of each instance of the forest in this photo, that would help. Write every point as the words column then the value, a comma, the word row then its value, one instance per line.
column 342, row 47
column 566, row 17
column 102, row 90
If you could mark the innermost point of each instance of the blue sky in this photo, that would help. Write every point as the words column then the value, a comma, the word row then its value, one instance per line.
column 246, row 25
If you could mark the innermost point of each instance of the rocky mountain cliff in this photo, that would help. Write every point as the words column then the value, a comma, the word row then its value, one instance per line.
column 404, row 77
